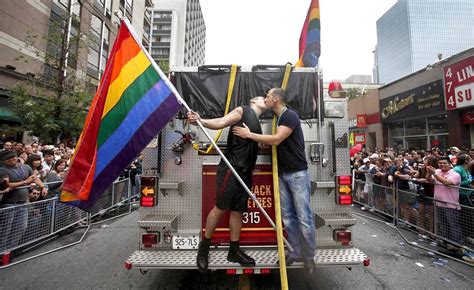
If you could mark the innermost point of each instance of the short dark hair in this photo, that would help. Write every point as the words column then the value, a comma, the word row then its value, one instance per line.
column 444, row 158
column 461, row 160
column 281, row 93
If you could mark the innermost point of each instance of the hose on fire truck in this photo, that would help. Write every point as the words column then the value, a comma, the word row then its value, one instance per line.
column 230, row 89
column 276, row 193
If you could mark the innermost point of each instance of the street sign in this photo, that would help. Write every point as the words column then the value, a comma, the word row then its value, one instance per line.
column 459, row 84
column 359, row 138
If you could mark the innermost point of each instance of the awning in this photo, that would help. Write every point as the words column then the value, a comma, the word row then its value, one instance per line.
column 7, row 115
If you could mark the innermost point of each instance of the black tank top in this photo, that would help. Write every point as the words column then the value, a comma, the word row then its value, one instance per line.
column 243, row 152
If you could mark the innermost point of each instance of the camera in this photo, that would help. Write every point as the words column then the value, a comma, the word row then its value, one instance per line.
column 3, row 184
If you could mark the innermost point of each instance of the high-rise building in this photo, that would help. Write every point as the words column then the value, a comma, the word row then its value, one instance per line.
column 178, row 33
column 415, row 33
column 41, row 41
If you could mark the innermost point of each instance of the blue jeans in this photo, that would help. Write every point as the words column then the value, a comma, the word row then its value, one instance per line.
column 138, row 184
column 13, row 224
column 295, row 196
column 448, row 224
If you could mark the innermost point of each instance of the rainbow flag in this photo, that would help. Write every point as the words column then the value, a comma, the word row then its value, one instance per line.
column 310, row 38
column 131, row 105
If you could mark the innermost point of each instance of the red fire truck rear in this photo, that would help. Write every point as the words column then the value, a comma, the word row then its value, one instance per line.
column 178, row 187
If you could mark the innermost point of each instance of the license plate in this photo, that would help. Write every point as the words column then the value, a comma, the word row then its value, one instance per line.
column 185, row 242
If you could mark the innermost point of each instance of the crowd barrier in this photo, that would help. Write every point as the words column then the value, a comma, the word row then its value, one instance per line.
column 450, row 222
column 24, row 224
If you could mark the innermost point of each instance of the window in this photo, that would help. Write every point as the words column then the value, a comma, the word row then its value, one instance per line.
column 94, row 46
column 96, row 26
column 105, row 49
column 129, row 5
column 108, row 8
column 438, row 124
column 395, row 129
column 63, row 4
column 415, row 127
column 93, row 59
column 76, row 8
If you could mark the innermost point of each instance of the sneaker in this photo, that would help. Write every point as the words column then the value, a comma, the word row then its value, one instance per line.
column 310, row 266
column 239, row 256
column 371, row 209
column 363, row 208
column 202, row 259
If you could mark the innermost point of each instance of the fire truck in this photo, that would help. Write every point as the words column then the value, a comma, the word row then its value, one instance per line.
column 179, row 182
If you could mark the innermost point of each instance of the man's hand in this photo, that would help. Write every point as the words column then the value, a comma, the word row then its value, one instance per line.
column 30, row 179
column 44, row 192
column 242, row 132
column 430, row 169
column 193, row 117
column 264, row 147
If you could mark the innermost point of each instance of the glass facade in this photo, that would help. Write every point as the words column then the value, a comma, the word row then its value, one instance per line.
column 413, row 32
column 418, row 134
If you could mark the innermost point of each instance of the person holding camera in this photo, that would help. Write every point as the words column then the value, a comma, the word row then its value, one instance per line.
column 21, row 178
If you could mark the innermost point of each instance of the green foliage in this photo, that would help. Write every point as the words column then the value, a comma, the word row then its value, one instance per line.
column 164, row 65
column 47, row 118
column 52, row 103
column 353, row 93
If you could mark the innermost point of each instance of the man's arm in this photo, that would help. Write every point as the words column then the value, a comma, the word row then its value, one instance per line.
column 217, row 123
column 432, row 176
column 281, row 134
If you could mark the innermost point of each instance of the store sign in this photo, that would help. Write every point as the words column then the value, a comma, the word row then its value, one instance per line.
column 421, row 100
column 352, row 122
column 359, row 138
column 361, row 121
column 467, row 117
column 459, row 84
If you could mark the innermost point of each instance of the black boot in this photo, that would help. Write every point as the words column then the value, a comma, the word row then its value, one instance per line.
column 238, row 256
column 203, row 255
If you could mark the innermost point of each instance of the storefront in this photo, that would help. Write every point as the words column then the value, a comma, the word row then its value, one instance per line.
column 416, row 119
column 458, row 77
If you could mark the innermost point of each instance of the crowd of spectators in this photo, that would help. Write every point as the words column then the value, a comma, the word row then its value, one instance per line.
column 425, row 180
column 28, row 173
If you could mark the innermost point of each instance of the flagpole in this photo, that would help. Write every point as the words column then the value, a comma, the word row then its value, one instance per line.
column 181, row 100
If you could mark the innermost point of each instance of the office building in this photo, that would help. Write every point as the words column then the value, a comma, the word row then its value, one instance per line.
column 178, row 33
column 34, row 35
column 415, row 33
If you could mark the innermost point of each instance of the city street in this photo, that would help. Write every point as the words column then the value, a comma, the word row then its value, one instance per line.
column 97, row 263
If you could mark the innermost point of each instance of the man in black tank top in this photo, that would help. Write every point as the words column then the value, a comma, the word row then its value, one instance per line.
column 230, row 195
column 294, row 180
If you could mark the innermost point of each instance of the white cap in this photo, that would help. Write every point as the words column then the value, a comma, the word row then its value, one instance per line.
column 366, row 160
column 375, row 156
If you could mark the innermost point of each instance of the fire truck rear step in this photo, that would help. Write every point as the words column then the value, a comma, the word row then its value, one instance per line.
column 265, row 258
column 334, row 219
column 169, row 222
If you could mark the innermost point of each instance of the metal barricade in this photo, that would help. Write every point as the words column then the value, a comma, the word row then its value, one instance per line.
column 23, row 224
column 450, row 222
column 375, row 197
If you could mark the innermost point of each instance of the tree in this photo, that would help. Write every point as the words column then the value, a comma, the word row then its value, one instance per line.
column 52, row 103
column 353, row 93
column 164, row 66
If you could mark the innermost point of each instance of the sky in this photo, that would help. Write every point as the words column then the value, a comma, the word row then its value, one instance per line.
column 249, row 32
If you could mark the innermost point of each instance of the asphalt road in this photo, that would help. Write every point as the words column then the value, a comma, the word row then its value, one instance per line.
column 97, row 263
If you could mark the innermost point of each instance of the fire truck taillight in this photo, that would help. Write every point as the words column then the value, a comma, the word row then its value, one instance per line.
column 343, row 189
column 231, row 271
column 342, row 236
column 150, row 239
column 148, row 191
